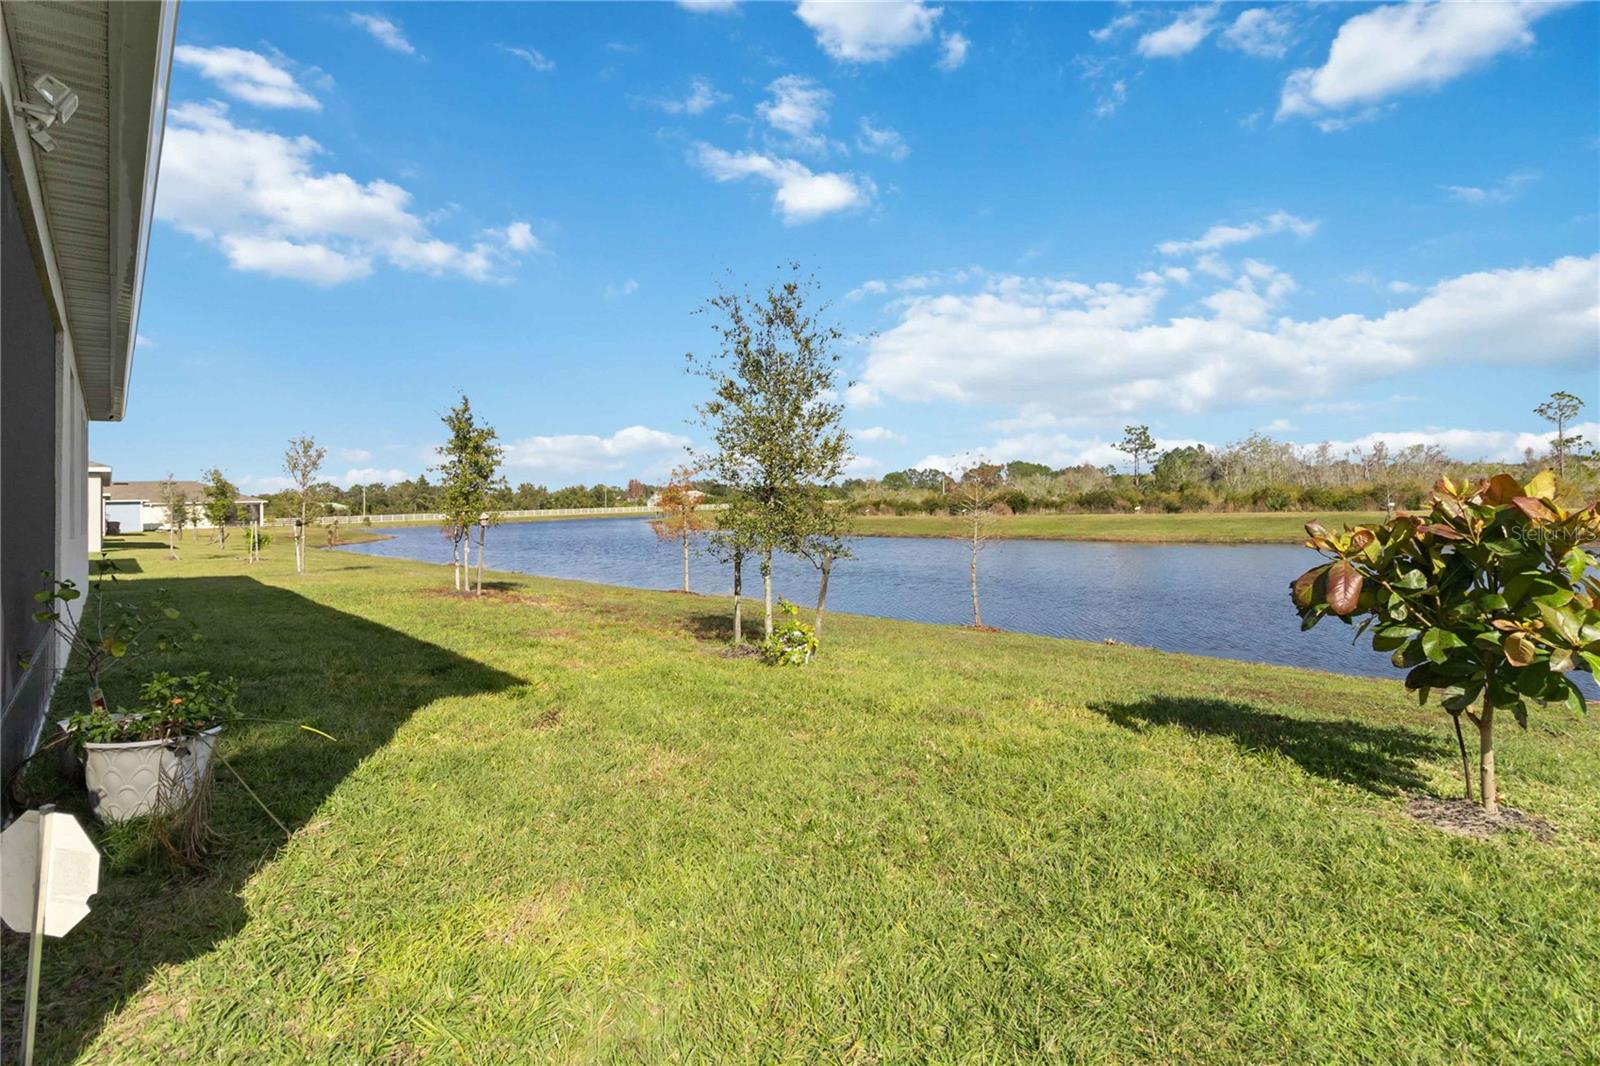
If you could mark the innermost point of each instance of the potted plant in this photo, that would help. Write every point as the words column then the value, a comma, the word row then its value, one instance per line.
column 154, row 755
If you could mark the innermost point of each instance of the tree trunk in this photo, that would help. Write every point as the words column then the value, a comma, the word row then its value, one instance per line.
column 1466, row 764
column 738, row 601
column 822, row 596
column 686, row 562
column 172, row 548
column 482, row 532
column 977, row 615
column 766, row 593
column 455, row 559
column 1486, row 789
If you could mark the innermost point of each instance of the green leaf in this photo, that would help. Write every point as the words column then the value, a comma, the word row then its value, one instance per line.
column 69, row 593
column 1438, row 643
column 118, row 649
column 45, row 617
column 1412, row 579
column 1388, row 638
column 43, row 596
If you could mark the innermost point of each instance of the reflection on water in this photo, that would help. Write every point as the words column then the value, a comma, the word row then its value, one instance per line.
column 1223, row 600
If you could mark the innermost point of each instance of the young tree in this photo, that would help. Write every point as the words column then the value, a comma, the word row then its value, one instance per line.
column 820, row 528
column 471, row 476
column 975, row 494
column 680, row 521
column 301, row 462
column 176, row 503
column 221, row 503
column 1560, row 409
column 734, row 541
column 1488, row 599
column 1137, row 442
column 775, row 425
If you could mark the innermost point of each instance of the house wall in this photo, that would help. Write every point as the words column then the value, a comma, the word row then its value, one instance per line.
column 30, row 461
column 94, row 500
column 128, row 514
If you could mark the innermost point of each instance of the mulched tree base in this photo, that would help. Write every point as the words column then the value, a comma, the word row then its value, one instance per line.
column 1465, row 818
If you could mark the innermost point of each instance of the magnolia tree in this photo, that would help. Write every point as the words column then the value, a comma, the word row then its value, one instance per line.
column 1488, row 599
column 470, row 476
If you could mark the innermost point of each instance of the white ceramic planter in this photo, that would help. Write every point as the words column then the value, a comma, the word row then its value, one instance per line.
column 124, row 780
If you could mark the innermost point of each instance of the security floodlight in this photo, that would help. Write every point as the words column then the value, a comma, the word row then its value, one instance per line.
column 60, row 104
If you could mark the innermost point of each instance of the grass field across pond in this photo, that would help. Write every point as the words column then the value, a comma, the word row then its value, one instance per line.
column 1263, row 527
column 563, row 823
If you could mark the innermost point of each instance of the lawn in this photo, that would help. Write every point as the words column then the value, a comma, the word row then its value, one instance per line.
column 561, row 823
column 1275, row 527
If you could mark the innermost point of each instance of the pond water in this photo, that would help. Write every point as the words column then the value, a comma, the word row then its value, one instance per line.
column 1228, row 601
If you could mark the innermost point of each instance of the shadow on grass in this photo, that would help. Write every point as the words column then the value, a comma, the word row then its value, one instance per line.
column 1376, row 758
column 717, row 626
column 296, row 660
column 105, row 567
column 114, row 544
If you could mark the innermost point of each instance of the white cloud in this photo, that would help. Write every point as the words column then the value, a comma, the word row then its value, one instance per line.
column 953, row 51
column 384, row 31
column 247, row 76
column 701, row 98
column 1067, row 345
column 519, row 237
column 143, row 343
column 1490, row 445
column 637, row 449
column 355, row 455
column 1222, row 236
column 1180, row 36
column 627, row 288
column 282, row 258
column 1114, row 27
column 1493, row 194
column 1405, row 48
column 873, row 434
column 705, row 7
column 367, row 475
column 882, row 140
column 799, row 195
column 798, row 108
column 864, row 31
column 1400, row 288
column 531, row 56
column 261, row 199
column 1261, row 31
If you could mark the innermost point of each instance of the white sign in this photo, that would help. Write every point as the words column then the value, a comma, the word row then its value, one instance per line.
column 55, row 843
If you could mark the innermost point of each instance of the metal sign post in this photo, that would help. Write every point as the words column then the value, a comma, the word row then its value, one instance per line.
column 52, row 868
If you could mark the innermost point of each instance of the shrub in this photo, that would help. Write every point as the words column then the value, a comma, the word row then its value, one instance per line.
column 792, row 642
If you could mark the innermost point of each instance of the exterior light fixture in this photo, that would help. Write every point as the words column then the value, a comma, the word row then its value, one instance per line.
column 60, row 104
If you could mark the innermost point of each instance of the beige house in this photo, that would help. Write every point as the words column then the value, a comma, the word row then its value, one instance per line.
column 137, row 506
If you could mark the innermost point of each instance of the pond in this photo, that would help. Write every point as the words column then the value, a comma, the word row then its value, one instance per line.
column 1228, row 601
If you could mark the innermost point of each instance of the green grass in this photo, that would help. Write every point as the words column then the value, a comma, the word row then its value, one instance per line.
column 561, row 824
column 1252, row 528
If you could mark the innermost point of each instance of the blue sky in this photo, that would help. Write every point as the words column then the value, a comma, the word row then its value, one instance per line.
column 1331, row 222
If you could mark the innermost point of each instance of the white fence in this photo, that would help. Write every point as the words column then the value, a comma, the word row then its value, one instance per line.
column 549, row 512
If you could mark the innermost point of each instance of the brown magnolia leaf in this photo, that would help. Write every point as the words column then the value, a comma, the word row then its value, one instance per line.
column 1344, row 587
column 1439, row 530
column 1303, row 590
column 1520, row 651
column 1316, row 529
column 1501, row 490
column 1534, row 509
column 1361, row 538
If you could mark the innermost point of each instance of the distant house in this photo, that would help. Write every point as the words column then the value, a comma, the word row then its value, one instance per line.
column 137, row 506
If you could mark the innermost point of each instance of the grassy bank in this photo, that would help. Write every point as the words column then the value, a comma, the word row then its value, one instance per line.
column 561, row 823
column 1222, row 528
